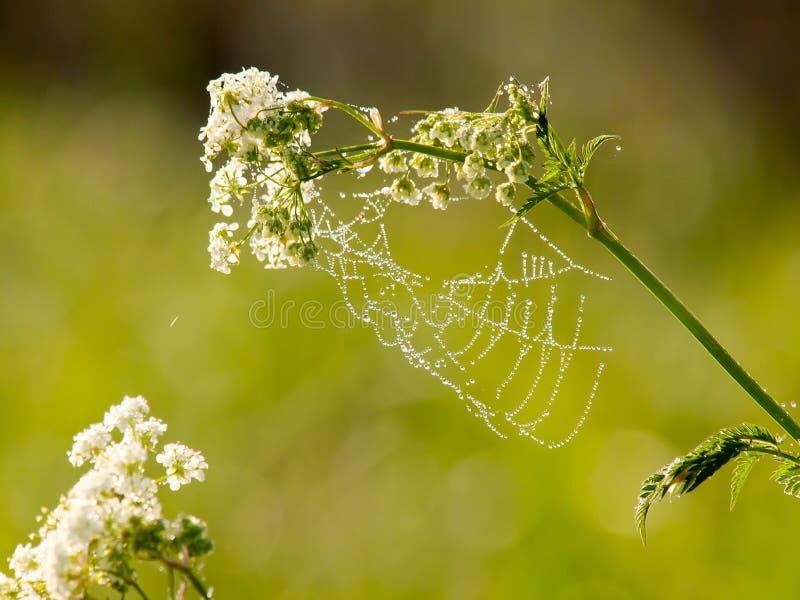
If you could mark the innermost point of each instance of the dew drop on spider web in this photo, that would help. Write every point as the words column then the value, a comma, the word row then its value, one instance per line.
column 507, row 338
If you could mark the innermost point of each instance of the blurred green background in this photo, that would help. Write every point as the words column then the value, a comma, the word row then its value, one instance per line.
column 338, row 471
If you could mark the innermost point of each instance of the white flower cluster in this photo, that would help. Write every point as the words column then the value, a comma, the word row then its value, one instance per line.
column 265, row 134
column 499, row 140
column 111, row 515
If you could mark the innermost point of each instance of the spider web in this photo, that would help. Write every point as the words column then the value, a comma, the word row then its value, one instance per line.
column 489, row 336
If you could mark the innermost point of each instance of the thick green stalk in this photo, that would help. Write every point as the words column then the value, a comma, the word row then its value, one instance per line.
column 673, row 304
column 443, row 153
column 588, row 219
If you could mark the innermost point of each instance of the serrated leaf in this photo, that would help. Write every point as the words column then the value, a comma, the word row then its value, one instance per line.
column 652, row 491
column 550, row 173
column 544, row 87
column 741, row 469
column 557, row 148
column 541, row 191
column 685, row 473
column 788, row 475
column 571, row 152
column 590, row 147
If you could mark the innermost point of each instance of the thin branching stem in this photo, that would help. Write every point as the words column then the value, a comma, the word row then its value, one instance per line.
column 350, row 111
column 348, row 149
column 132, row 582
column 187, row 571
column 681, row 312
column 775, row 452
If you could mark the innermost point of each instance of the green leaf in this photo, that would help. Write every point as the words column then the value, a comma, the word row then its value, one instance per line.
column 542, row 190
column 544, row 87
column 557, row 148
column 741, row 469
column 493, row 104
column 685, row 473
column 788, row 475
column 590, row 147
column 652, row 491
column 552, row 168
column 571, row 152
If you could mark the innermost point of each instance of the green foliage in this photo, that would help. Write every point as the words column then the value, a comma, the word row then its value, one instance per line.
column 741, row 470
column 495, row 101
column 587, row 152
column 564, row 166
column 788, row 474
column 542, row 190
column 745, row 443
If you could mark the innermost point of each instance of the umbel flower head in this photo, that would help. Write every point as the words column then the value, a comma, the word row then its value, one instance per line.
column 264, row 133
column 112, row 516
column 261, row 137
column 489, row 138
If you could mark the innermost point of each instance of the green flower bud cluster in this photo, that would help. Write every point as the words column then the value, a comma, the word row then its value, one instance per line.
column 186, row 537
column 489, row 139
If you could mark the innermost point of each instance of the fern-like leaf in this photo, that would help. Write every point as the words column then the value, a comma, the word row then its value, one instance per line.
column 589, row 148
column 653, row 489
column 788, row 475
column 741, row 469
column 542, row 190
column 685, row 473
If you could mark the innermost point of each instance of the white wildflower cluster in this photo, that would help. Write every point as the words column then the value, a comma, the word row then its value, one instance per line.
column 496, row 139
column 111, row 516
column 265, row 134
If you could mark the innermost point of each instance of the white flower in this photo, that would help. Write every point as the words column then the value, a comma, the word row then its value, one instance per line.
column 150, row 430
column 229, row 183
column 444, row 129
column 94, row 484
column 236, row 99
column 473, row 166
column 8, row 587
column 517, row 172
column 24, row 560
column 85, row 539
column 265, row 134
column 392, row 162
column 130, row 411
column 270, row 249
column 479, row 187
column 403, row 190
column 505, row 193
column 425, row 166
column 123, row 458
column 439, row 194
column 182, row 464
column 506, row 159
column 483, row 141
column 88, row 443
column 221, row 247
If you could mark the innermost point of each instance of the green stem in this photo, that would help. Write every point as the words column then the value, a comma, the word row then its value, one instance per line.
column 673, row 304
column 600, row 232
column 774, row 452
column 348, row 149
column 189, row 574
column 442, row 153
column 137, row 587
column 171, row 583
column 352, row 112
